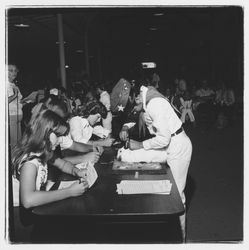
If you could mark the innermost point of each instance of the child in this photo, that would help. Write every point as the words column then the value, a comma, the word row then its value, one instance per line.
column 82, row 126
column 105, row 100
column 186, row 108
column 30, row 161
column 75, row 152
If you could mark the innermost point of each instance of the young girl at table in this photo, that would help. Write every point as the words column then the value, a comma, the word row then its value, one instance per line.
column 32, row 155
column 83, row 126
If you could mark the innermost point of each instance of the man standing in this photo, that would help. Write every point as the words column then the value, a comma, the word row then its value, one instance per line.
column 170, row 143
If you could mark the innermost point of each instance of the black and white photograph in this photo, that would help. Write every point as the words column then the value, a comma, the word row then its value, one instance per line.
column 124, row 124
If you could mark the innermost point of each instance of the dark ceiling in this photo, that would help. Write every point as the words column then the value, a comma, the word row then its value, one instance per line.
column 118, row 38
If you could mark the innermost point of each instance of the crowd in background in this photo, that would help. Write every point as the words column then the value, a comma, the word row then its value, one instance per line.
column 196, row 102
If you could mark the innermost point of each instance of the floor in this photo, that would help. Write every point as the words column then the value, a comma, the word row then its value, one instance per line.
column 215, row 184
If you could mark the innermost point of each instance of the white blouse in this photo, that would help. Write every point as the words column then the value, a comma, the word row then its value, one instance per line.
column 80, row 129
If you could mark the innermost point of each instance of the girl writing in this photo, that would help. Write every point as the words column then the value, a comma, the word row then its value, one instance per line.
column 30, row 161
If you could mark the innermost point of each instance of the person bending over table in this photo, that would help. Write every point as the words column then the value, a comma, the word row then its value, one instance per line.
column 80, row 152
column 170, row 143
column 30, row 161
column 83, row 126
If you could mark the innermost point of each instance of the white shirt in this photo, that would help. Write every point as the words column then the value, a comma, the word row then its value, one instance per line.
column 15, row 107
column 164, row 123
column 105, row 100
column 80, row 129
column 65, row 142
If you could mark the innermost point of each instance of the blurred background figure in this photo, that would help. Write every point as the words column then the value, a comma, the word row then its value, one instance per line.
column 15, row 106
column 104, row 98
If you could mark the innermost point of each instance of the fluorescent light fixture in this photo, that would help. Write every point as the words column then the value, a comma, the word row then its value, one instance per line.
column 152, row 28
column 22, row 25
column 66, row 66
column 148, row 65
column 58, row 42
column 158, row 14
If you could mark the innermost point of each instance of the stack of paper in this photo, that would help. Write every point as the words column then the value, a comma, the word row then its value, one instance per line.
column 144, row 187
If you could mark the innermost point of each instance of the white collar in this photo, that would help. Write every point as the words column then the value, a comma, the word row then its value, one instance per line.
column 144, row 91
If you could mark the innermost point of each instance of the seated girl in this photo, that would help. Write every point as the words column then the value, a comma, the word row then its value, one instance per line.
column 82, row 126
column 72, row 151
column 30, row 161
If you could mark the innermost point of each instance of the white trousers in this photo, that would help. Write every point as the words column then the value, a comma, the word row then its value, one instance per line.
column 107, row 122
column 178, row 155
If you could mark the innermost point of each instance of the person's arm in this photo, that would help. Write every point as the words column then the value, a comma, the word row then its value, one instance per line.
column 30, row 197
column 66, row 166
column 182, row 102
column 77, row 159
column 103, row 142
column 81, row 147
column 160, row 113
column 14, row 96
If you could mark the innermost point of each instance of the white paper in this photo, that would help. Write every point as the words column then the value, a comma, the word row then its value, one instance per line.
column 90, row 176
column 84, row 165
column 66, row 184
column 49, row 184
column 144, row 187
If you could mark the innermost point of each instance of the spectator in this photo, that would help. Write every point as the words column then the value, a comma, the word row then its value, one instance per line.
column 15, row 106
column 105, row 100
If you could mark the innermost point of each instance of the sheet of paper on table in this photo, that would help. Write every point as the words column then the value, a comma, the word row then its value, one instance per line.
column 144, row 187
column 89, row 173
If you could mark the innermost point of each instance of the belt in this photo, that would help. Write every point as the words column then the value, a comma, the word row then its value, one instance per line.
column 177, row 132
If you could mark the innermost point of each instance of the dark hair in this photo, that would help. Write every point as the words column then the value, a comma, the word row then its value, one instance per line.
column 101, row 86
column 57, row 105
column 92, row 108
column 36, row 137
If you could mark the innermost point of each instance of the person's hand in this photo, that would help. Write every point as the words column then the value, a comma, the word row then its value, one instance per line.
column 79, row 187
column 98, row 149
column 124, row 134
column 107, row 142
column 92, row 156
column 137, row 108
column 81, row 173
column 133, row 145
column 15, row 90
